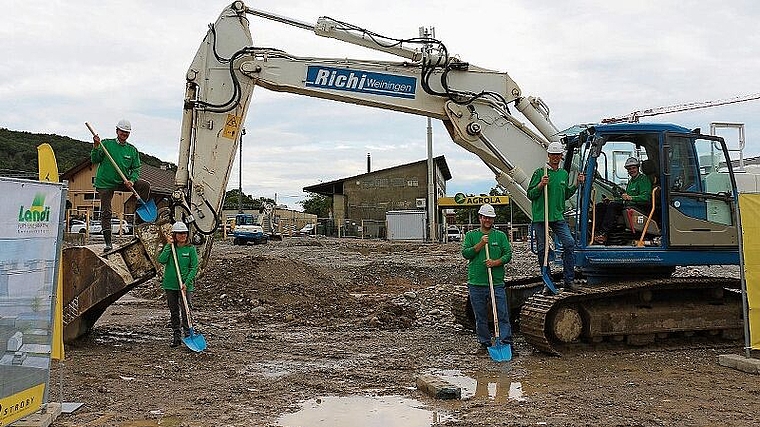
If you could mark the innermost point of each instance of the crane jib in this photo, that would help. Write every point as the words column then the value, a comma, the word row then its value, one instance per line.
column 361, row 81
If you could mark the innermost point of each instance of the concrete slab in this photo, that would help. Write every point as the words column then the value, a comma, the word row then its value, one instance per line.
column 740, row 363
column 438, row 387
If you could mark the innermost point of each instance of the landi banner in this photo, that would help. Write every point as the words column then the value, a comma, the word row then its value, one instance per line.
column 31, row 231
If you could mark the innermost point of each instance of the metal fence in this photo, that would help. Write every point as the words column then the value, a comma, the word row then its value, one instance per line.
column 377, row 229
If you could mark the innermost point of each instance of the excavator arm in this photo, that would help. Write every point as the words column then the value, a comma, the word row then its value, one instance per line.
column 472, row 102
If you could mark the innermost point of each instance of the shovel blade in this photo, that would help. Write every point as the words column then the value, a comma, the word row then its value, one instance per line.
column 147, row 211
column 195, row 341
column 500, row 352
column 546, row 275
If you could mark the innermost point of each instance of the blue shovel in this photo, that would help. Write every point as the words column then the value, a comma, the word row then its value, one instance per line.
column 499, row 352
column 545, row 273
column 194, row 341
column 147, row 211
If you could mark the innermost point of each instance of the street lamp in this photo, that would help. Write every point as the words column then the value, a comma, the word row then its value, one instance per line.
column 511, row 222
column 240, row 174
column 429, row 33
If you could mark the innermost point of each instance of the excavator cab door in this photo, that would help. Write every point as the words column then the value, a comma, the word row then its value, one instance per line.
column 700, row 192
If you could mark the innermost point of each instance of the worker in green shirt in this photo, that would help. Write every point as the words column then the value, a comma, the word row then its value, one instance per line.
column 556, row 180
column 108, row 180
column 187, row 260
column 638, row 193
column 478, row 285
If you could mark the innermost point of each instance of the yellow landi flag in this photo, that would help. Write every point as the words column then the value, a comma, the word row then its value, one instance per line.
column 749, row 206
column 48, row 169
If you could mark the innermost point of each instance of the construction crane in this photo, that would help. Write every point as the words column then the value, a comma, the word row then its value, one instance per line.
column 634, row 116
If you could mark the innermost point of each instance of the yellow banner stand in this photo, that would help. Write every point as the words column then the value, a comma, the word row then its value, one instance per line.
column 48, row 172
column 749, row 206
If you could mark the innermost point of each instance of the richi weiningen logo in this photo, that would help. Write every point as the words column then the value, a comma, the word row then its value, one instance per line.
column 36, row 218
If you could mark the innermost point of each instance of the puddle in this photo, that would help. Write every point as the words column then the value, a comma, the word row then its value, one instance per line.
column 163, row 422
column 120, row 337
column 499, row 388
column 366, row 411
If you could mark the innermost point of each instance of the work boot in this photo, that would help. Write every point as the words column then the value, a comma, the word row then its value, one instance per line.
column 482, row 350
column 176, row 341
column 107, row 238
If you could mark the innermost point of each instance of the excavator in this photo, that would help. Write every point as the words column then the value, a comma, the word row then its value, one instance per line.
column 629, row 292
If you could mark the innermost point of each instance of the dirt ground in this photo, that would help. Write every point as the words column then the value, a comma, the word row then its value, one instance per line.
column 303, row 321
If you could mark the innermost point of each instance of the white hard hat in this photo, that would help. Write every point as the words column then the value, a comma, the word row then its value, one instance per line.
column 487, row 210
column 555, row 148
column 179, row 227
column 124, row 125
column 632, row 161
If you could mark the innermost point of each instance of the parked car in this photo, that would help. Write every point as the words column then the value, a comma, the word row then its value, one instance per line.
column 307, row 230
column 453, row 234
column 78, row 226
column 125, row 227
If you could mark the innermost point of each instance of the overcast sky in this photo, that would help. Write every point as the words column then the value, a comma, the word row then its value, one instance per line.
column 67, row 62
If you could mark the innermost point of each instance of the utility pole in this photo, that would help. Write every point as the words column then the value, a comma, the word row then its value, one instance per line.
column 431, row 205
column 240, row 173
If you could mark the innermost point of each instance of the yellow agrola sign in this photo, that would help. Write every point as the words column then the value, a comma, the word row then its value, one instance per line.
column 461, row 200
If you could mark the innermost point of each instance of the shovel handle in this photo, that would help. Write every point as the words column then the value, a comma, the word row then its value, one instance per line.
column 182, row 291
column 115, row 166
column 546, row 220
column 493, row 298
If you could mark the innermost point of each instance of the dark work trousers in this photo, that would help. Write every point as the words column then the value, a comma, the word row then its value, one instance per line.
column 609, row 212
column 106, row 196
column 174, row 301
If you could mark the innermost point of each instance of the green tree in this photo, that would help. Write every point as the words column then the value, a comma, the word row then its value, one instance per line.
column 317, row 204
column 18, row 151
column 232, row 201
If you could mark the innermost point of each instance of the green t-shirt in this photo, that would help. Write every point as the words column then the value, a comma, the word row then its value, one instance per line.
column 187, row 258
column 498, row 248
column 125, row 156
column 559, row 191
column 640, row 189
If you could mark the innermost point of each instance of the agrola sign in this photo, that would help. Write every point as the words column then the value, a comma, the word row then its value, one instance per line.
column 461, row 200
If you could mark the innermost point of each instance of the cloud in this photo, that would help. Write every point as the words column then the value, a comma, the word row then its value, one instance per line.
column 69, row 62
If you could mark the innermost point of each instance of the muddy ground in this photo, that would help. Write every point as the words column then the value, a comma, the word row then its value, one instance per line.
column 308, row 322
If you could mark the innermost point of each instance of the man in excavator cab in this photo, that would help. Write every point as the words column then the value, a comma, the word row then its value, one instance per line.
column 638, row 193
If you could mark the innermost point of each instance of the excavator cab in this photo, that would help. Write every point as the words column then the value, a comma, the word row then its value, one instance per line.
column 690, row 219
column 630, row 294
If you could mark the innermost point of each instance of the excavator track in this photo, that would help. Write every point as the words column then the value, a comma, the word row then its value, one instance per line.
column 635, row 312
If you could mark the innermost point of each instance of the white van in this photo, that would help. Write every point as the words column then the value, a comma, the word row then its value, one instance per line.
column 453, row 234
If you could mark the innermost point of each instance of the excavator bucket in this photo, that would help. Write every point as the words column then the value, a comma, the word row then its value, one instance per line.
column 92, row 281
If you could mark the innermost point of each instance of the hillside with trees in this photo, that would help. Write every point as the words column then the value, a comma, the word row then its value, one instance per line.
column 18, row 152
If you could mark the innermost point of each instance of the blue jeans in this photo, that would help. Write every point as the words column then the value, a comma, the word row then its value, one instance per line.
column 480, row 300
column 562, row 231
